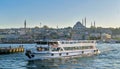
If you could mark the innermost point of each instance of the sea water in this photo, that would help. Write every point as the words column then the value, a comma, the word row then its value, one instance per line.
column 109, row 58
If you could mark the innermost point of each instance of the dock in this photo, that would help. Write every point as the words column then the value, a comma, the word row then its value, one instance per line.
column 10, row 50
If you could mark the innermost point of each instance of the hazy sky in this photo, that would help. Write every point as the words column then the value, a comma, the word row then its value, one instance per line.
column 61, row 13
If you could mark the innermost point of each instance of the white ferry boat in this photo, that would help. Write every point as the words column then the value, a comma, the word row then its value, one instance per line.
column 64, row 48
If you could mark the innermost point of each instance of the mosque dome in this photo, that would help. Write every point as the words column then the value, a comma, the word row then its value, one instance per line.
column 79, row 25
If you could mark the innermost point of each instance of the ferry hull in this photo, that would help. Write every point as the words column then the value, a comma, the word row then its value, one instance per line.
column 72, row 54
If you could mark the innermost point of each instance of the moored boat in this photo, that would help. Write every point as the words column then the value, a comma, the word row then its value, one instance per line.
column 63, row 48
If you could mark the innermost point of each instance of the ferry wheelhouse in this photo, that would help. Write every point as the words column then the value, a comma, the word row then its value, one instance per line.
column 64, row 48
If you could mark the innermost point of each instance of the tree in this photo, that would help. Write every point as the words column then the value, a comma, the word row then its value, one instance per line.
column 36, row 27
column 45, row 27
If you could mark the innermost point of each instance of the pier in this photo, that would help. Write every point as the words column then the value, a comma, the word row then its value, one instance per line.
column 10, row 50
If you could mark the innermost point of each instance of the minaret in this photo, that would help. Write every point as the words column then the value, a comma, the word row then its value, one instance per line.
column 82, row 22
column 40, row 24
column 25, row 26
column 85, row 21
column 57, row 27
column 94, row 27
column 94, row 23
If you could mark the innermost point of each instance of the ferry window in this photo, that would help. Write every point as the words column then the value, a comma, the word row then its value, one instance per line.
column 55, row 42
column 43, row 43
column 60, row 54
column 56, row 49
column 52, row 54
column 66, row 53
column 61, row 49
column 39, row 49
column 83, row 47
column 66, row 48
column 67, row 42
column 62, row 42
column 52, row 43
column 42, row 49
column 71, row 42
column 91, row 47
column 75, row 48
column 46, row 49
column 71, row 48
column 80, row 47
column 82, row 52
column 87, row 47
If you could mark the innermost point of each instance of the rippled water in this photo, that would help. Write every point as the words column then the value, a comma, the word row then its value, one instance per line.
column 108, row 59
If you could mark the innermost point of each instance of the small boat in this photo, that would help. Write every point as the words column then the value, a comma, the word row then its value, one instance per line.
column 62, row 49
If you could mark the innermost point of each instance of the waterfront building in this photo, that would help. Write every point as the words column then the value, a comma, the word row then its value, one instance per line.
column 105, row 36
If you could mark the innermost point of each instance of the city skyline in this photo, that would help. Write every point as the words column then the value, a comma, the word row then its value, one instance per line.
column 61, row 13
